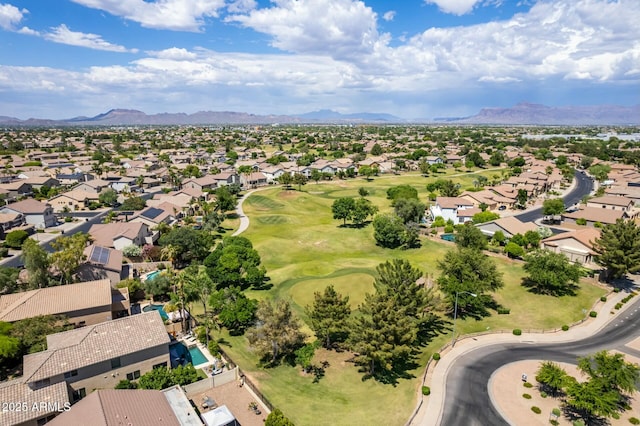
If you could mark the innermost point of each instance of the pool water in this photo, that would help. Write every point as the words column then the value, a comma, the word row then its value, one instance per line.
column 158, row 308
column 448, row 237
column 197, row 356
column 152, row 275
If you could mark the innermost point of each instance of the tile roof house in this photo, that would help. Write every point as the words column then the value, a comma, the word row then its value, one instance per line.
column 449, row 207
column 576, row 245
column 612, row 203
column 84, row 303
column 42, row 405
column 139, row 407
column 100, row 355
column 119, row 235
column 593, row 215
column 101, row 263
column 509, row 226
column 35, row 212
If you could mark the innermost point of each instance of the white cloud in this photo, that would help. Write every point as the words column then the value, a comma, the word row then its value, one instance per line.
column 456, row 7
column 388, row 16
column 178, row 15
column 333, row 27
column 241, row 6
column 62, row 34
column 174, row 53
column 10, row 16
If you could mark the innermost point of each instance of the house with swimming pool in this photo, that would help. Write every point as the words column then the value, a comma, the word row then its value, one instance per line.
column 99, row 356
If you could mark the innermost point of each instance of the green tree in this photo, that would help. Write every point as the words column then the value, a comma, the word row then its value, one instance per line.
column 8, row 280
column 521, row 198
column 611, row 371
column 342, row 208
column 485, row 216
column 600, row 171
column 225, row 200
column 551, row 273
column 108, row 197
column 68, row 255
column 362, row 209
column 409, row 209
column 299, row 179
column 197, row 285
column 552, row 207
column 191, row 171
column 235, row 262
column 132, row 250
column 276, row 418
column 468, row 270
column 158, row 378
column 32, row 332
column 15, row 239
column 552, row 377
column 366, row 171
column 158, row 286
column 590, row 400
column 316, row 175
column 513, row 250
column 499, row 238
column 376, row 149
column 233, row 309
column 133, row 203
column 618, row 248
column 469, row 236
column 184, row 374
column 36, row 261
column 388, row 230
column 401, row 191
column 286, row 179
column 277, row 332
column 126, row 384
column 189, row 244
column 449, row 189
column 532, row 238
column 329, row 316
column 9, row 345
column 381, row 335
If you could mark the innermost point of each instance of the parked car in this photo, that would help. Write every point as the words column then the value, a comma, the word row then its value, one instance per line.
column 502, row 208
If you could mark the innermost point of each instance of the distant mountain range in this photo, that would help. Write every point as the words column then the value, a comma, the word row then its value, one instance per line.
column 523, row 113
column 527, row 113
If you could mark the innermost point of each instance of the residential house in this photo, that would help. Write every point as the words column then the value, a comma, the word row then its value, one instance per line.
column 576, row 245
column 612, row 203
column 509, row 226
column 82, row 304
column 16, row 189
column 449, row 207
column 272, row 173
column 42, row 404
column 73, row 200
column 205, row 182
column 594, row 215
column 162, row 213
column 96, row 186
column 119, row 235
column 38, row 182
column 253, row 180
column 433, row 159
column 35, row 212
column 481, row 197
column 9, row 221
column 100, row 355
column 100, row 263
column 139, row 407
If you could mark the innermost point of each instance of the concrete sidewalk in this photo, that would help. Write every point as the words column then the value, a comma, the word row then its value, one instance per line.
column 431, row 407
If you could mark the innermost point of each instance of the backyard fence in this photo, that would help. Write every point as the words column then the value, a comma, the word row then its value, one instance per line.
column 211, row 382
column 247, row 381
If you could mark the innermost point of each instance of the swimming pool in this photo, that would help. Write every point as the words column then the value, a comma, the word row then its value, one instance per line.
column 197, row 356
column 158, row 308
column 152, row 275
column 448, row 237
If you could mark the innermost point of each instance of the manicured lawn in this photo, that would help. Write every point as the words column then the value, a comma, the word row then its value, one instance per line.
column 304, row 249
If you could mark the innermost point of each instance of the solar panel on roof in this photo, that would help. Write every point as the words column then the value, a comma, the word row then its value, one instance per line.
column 100, row 255
column 151, row 213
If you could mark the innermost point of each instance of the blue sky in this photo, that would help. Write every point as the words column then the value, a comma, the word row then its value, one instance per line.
column 410, row 58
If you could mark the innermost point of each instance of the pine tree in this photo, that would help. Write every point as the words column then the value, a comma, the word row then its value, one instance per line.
column 277, row 332
column 618, row 248
column 329, row 315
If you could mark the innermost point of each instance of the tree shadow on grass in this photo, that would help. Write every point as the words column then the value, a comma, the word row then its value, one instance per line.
column 568, row 290
column 574, row 414
column 400, row 369
column 354, row 225
column 431, row 328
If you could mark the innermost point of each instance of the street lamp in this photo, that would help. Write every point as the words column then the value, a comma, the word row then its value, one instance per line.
column 455, row 314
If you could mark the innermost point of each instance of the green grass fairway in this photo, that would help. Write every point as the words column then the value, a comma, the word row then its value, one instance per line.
column 304, row 249
column 353, row 285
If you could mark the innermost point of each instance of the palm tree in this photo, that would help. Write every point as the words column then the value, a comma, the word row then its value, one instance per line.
column 169, row 252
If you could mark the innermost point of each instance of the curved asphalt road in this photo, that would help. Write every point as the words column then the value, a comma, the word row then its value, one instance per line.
column 467, row 400
column 584, row 186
